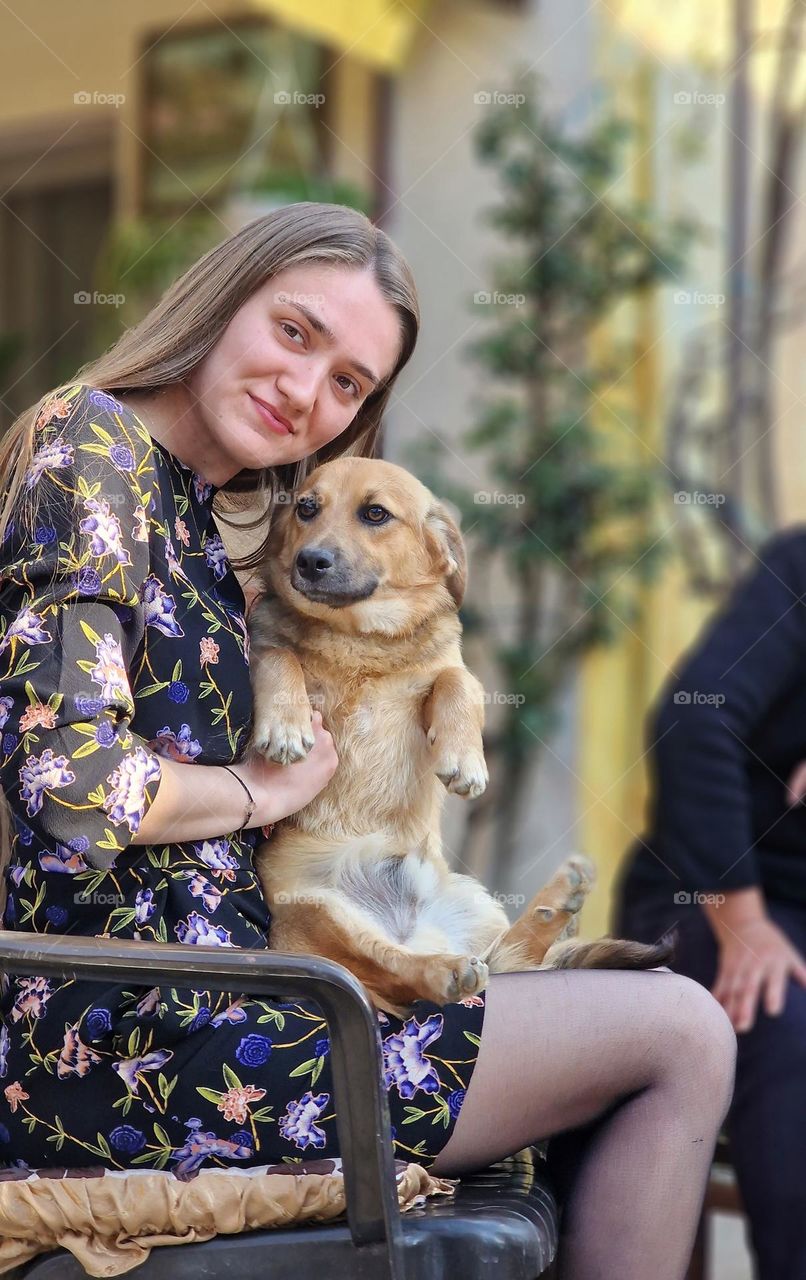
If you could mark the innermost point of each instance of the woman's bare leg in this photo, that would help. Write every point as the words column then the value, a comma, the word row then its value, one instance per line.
column 651, row 1054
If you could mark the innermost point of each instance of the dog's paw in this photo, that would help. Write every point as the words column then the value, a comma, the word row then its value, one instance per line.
column 282, row 741
column 464, row 773
column 451, row 978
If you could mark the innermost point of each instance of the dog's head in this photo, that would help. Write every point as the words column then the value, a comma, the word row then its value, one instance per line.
column 365, row 538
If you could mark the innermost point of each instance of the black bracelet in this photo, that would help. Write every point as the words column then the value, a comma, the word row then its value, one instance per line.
column 250, row 808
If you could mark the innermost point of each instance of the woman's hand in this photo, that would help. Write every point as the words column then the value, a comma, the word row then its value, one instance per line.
column 283, row 789
column 756, row 961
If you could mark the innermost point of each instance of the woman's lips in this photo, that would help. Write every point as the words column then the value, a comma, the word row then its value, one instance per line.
column 269, row 417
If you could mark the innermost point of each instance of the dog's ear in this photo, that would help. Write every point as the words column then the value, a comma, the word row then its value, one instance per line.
column 443, row 524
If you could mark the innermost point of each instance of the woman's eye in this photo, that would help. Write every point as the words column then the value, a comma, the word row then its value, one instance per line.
column 353, row 386
column 285, row 326
column 376, row 514
column 307, row 510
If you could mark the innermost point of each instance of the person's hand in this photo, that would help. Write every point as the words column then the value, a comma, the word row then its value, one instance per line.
column 796, row 787
column 756, row 961
column 282, row 789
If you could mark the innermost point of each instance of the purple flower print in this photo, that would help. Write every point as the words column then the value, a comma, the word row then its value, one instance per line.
column 102, row 400
column 406, row 1065
column 5, row 1040
column 129, row 1069
column 109, row 671
column 126, row 800
column 127, row 1138
column 87, row 581
column 44, row 535
column 26, row 626
column 215, row 855
column 104, row 530
column 200, row 887
column 51, row 456
column 254, row 1050
column 99, row 1021
column 40, row 774
column 144, row 906
column 181, row 746
column 196, row 929
column 178, row 691
column 5, row 706
column 160, row 608
column 63, row 860
column 455, row 1101
column 57, row 916
column 203, row 488
column 216, row 556
column 298, row 1122
column 199, row 1145
column 122, row 457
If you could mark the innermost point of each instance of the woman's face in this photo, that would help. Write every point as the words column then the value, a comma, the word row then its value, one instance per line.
column 309, row 344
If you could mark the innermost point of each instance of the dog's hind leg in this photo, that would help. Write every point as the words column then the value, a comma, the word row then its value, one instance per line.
column 552, row 914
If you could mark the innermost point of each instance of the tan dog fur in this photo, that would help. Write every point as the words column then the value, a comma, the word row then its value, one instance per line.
column 358, row 875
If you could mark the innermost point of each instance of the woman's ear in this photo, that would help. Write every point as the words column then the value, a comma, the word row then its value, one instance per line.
column 443, row 523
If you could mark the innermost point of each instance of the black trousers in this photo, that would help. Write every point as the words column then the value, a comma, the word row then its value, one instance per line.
column 767, row 1119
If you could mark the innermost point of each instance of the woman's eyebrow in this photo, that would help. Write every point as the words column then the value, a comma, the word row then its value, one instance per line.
column 327, row 333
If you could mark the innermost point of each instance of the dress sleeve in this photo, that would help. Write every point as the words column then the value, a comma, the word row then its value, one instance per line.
column 748, row 658
column 73, row 564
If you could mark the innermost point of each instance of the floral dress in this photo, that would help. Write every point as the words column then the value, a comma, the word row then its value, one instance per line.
column 123, row 641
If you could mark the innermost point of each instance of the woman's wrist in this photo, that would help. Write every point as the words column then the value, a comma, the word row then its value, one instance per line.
column 249, row 799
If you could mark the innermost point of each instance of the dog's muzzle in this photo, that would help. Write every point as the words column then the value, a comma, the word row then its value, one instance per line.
column 321, row 575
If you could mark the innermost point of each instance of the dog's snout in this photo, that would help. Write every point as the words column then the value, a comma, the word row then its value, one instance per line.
column 314, row 563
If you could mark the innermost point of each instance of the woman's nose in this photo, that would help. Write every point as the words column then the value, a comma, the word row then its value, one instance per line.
column 300, row 387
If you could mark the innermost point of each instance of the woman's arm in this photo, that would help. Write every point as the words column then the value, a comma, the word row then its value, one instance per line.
column 196, row 802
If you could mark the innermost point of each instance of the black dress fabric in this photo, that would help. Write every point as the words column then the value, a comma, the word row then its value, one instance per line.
column 123, row 641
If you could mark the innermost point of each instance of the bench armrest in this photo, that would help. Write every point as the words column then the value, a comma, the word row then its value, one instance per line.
column 362, row 1110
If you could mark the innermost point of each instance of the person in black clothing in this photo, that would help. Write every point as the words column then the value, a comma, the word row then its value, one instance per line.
column 722, row 867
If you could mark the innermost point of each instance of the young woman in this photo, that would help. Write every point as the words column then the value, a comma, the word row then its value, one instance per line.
column 124, row 708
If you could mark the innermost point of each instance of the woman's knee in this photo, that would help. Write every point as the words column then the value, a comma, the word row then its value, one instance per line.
column 703, row 1036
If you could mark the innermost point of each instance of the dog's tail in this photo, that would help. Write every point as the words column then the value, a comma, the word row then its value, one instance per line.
column 609, row 953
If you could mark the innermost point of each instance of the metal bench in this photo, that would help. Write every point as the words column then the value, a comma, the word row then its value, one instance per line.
column 503, row 1220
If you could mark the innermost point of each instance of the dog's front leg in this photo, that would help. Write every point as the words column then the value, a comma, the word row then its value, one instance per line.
column 453, row 721
column 281, row 710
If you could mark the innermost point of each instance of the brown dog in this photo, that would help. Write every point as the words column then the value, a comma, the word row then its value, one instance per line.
column 364, row 577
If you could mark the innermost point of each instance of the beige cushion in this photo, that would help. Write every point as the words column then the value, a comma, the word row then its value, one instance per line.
column 111, row 1220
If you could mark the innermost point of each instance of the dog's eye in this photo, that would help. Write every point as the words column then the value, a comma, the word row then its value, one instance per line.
column 376, row 514
column 307, row 508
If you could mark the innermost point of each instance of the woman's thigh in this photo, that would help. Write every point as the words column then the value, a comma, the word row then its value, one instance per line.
column 559, row 1047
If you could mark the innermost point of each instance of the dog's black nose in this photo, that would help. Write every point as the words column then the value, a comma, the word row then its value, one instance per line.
column 314, row 562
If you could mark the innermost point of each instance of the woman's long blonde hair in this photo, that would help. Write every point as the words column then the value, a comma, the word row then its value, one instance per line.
column 181, row 329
